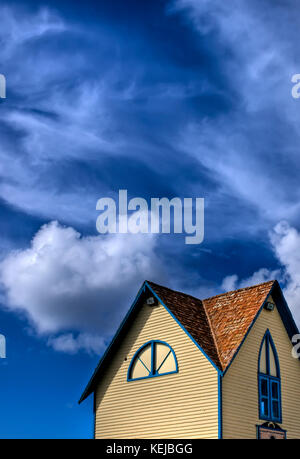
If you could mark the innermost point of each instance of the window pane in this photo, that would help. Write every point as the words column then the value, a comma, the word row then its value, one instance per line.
column 138, row 370
column 141, row 367
column 146, row 356
column 264, row 387
column 262, row 362
column 168, row 365
column 273, row 369
column 275, row 390
column 161, row 352
column 275, row 409
column 264, row 407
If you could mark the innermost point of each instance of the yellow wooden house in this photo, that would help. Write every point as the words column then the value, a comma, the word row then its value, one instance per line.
column 181, row 367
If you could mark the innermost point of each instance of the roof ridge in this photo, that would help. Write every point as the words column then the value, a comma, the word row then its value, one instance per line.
column 200, row 306
column 214, row 296
column 175, row 291
column 213, row 334
column 240, row 289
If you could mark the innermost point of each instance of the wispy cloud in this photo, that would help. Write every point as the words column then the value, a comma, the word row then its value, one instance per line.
column 56, row 117
column 253, row 148
column 19, row 27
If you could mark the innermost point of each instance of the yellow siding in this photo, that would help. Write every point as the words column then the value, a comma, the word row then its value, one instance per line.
column 240, row 386
column 180, row 405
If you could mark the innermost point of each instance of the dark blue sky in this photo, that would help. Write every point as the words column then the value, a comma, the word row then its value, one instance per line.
column 163, row 98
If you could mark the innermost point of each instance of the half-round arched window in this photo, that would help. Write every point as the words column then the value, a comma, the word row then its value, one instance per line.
column 154, row 358
column 269, row 380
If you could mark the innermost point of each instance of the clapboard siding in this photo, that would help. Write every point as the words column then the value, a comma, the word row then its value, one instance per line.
column 180, row 405
column 240, row 385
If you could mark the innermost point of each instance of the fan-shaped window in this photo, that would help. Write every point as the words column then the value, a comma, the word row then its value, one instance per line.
column 269, row 380
column 154, row 358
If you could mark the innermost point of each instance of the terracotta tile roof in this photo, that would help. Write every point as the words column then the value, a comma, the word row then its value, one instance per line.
column 231, row 315
column 218, row 324
column 189, row 311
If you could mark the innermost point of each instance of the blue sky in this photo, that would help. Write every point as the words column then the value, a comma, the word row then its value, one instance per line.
column 164, row 98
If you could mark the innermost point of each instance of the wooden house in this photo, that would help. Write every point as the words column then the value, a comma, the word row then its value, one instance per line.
column 181, row 367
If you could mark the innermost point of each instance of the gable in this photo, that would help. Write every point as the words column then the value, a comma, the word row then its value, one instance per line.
column 190, row 395
column 183, row 309
column 240, row 382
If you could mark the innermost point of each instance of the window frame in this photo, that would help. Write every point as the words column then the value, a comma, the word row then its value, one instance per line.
column 153, row 372
column 267, row 339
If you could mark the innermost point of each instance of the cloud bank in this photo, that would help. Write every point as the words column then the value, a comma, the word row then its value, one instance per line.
column 66, row 282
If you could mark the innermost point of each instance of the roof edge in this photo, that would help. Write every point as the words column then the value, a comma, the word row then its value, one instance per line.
column 240, row 289
column 219, row 370
column 89, row 387
column 284, row 312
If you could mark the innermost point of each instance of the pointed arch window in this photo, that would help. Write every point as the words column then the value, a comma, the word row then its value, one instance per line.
column 154, row 358
column 269, row 385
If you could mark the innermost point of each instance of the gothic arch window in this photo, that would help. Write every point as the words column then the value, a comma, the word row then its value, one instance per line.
column 154, row 358
column 269, row 385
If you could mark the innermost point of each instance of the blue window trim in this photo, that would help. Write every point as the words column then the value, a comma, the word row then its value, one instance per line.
column 153, row 373
column 267, row 338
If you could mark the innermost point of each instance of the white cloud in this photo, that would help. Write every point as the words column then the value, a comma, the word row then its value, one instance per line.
column 65, row 282
column 232, row 282
column 70, row 344
column 229, row 283
column 285, row 242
